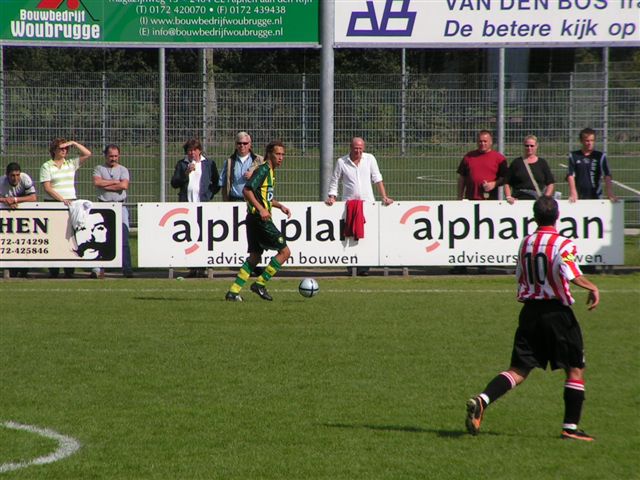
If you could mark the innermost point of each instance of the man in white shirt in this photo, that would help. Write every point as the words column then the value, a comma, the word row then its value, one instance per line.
column 358, row 171
column 16, row 187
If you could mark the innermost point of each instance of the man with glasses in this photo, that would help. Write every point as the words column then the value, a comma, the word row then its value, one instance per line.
column 237, row 169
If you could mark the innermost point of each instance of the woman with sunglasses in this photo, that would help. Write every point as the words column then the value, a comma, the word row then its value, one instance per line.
column 529, row 176
column 58, row 178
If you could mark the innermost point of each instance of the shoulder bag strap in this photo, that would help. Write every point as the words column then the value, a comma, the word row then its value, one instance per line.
column 533, row 180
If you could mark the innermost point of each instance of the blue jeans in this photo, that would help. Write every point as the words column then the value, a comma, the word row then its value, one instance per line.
column 126, row 250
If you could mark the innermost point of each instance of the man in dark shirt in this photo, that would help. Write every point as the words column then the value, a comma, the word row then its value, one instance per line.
column 587, row 168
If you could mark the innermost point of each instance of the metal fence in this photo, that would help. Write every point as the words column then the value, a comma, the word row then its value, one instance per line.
column 418, row 126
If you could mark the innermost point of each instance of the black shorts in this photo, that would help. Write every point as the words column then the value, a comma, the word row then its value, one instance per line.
column 548, row 333
column 263, row 235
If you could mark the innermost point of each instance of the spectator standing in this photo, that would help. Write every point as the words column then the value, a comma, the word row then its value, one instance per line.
column 111, row 180
column 16, row 187
column 197, row 179
column 262, row 234
column 237, row 169
column 58, row 176
column 548, row 331
column 586, row 170
column 481, row 171
column 528, row 176
column 358, row 171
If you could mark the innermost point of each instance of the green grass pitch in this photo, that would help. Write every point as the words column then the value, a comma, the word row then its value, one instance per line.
column 159, row 379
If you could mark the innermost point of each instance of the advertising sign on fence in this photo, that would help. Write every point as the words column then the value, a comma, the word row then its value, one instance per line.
column 402, row 234
column 42, row 235
column 159, row 23
column 486, row 23
column 213, row 234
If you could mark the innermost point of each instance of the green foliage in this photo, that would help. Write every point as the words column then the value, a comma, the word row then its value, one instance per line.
column 161, row 379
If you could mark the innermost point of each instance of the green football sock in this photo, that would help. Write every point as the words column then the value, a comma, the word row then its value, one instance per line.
column 241, row 278
column 270, row 271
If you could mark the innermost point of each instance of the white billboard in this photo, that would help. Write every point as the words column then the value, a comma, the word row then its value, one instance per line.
column 42, row 235
column 213, row 234
column 403, row 234
column 486, row 23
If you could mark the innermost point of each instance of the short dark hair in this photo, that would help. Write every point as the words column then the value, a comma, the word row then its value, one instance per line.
column 586, row 131
column 192, row 144
column 545, row 211
column 111, row 146
column 13, row 167
column 270, row 147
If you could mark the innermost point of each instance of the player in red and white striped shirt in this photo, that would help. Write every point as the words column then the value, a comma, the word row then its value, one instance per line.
column 548, row 332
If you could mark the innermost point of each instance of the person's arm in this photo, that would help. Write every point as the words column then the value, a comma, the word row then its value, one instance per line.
column 548, row 180
column 386, row 200
column 608, row 189
column 12, row 202
column 548, row 190
column 333, row 184
column 594, row 294
column 26, row 198
column 571, row 178
column 179, row 177
column 573, row 191
column 110, row 185
column 503, row 171
column 460, row 187
column 507, row 194
column 282, row 208
column 215, row 178
column 85, row 153
column 222, row 179
column 46, row 185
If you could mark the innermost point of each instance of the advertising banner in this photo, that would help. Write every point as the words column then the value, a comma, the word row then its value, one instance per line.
column 402, row 234
column 159, row 23
column 42, row 235
column 489, row 233
column 486, row 23
column 214, row 235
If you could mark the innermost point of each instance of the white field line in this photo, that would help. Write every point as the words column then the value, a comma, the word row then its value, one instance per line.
column 621, row 185
column 434, row 179
column 289, row 290
column 66, row 446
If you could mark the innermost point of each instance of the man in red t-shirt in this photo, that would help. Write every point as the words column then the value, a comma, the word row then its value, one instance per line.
column 481, row 171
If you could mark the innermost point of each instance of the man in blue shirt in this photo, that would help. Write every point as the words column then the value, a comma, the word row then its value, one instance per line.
column 587, row 168
column 237, row 169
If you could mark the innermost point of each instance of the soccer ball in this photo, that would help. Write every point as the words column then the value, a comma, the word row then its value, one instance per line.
column 308, row 287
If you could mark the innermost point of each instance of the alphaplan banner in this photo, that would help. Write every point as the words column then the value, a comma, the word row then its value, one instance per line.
column 486, row 23
column 43, row 235
column 403, row 234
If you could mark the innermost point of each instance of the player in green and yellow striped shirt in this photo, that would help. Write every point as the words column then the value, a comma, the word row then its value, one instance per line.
column 262, row 234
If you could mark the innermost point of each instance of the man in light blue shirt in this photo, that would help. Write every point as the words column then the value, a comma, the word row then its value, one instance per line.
column 237, row 169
